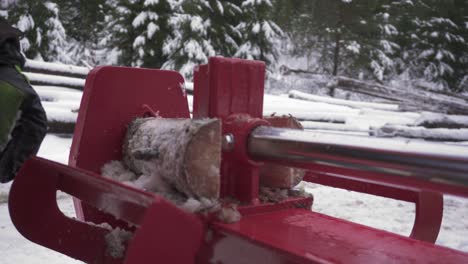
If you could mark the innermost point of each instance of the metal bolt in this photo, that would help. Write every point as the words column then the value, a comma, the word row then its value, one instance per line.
column 228, row 142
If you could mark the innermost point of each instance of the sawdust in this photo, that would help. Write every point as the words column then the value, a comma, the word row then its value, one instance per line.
column 116, row 240
column 116, row 170
column 275, row 195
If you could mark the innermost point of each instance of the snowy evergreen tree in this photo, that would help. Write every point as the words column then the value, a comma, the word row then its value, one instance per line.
column 202, row 28
column 260, row 35
column 123, row 33
column 56, row 36
column 44, row 33
column 86, row 26
column 379, row 47
column 152, row 27
column 190, row 44
column 434, row 40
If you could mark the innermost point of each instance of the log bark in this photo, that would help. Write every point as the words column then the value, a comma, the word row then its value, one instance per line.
column 286, row 70
column 276, row 176
column 424, row 101
column 175, row 154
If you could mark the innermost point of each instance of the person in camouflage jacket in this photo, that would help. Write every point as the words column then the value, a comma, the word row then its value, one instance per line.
column 23, row 122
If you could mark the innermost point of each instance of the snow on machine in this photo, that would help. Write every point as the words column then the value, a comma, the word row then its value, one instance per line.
column 218, row 188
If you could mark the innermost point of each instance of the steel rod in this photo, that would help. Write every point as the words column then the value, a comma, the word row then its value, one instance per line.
column 433, row 162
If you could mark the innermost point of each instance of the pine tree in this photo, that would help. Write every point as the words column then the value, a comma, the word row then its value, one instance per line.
column 123, row 34
column 434, row 41
column 260, row 35
column 152, row 27
column 224, row 16
column 202, row 28
column 44, row 32
column 86, row 25
column 190, row 44
column 57, row 38
column 377, row 38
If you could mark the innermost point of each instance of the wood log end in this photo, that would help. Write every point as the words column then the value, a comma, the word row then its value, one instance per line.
column 203, row 160
column 276, row 176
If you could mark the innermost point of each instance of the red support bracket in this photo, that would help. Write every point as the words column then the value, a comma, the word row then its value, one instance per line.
column 44, row 224
column 232, row 89
column 429, row 205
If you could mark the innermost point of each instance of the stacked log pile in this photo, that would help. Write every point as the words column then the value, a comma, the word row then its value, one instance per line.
column 418, row 113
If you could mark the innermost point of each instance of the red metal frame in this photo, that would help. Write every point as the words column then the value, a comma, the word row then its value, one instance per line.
column 44, row 224
column 285, row 232
column 112, row 98
column 429, row 205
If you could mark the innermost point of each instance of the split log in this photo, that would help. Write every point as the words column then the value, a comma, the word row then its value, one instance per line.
column 424, row 101
column 180, row 154
column 276, row 176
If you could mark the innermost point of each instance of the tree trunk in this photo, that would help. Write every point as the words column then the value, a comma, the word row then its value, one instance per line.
column 336, row 53
column 180, row 154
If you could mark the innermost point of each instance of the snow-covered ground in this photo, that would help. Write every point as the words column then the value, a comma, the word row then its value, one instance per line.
column 387, row 214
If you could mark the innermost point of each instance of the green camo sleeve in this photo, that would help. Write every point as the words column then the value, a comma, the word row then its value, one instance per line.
column 10, row 102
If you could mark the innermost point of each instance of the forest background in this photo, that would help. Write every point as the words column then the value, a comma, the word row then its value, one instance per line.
column 376, row 40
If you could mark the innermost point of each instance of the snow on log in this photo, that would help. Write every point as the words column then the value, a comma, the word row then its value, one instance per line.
column 330, row 100
column 276, row 176
column 437, row 134
column 56, row 69
column 312, row 116
column 334, row 126
column 433, row 120
column 423, row 100
column 44, row 79
column 426, row 87
column 180, row 154
column 58, row 94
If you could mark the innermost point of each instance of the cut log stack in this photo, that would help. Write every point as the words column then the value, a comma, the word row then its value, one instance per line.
column 408, row 100
column 403, row 116
column 55, row 74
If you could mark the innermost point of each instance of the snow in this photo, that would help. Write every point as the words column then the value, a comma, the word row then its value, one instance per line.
column 25, row 23
column 56, row 80
column 441, row 134
column 61, row 104
column 331, row 100
column 15, row 248
column 428, row 118
column 389, row 214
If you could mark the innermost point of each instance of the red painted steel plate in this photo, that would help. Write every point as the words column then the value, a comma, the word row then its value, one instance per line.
column 302, row 236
